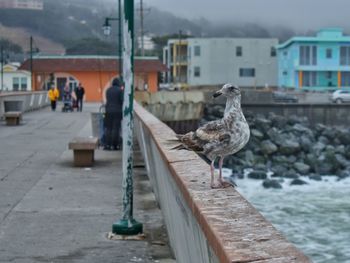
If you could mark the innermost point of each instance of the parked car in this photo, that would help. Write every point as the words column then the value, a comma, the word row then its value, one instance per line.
column 341, row 96
column 279, row 96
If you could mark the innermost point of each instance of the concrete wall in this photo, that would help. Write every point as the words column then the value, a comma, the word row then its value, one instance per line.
column 204, row 225
column 328, row 114
column 22, row 101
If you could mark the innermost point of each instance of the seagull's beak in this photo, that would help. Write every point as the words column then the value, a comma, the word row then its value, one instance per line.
column 217, row 94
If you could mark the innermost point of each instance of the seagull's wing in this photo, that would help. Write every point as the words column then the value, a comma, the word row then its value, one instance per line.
column 214, row 131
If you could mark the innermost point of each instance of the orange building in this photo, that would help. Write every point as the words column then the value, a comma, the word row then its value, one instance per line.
column 95, row 73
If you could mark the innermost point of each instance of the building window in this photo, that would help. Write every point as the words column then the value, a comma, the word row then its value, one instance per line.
column 247, row 72
column 285, row 53
column 239, row 51
column 329, row 74
column 285, row 73
column 345, row 79
column 197, row 71
column 15, row 84
column 309, row 79
column 344, row 56
column 328, row 53
column 23, row 84
column 273, row 52
column 197, row 51
column 308, row 55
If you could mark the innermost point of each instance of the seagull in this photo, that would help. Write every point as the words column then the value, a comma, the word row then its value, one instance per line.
column 220, row 138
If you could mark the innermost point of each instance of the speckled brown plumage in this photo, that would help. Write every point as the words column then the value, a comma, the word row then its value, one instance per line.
column 221, row 137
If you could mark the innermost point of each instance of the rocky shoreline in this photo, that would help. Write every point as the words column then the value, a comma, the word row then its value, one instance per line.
column 289, row 148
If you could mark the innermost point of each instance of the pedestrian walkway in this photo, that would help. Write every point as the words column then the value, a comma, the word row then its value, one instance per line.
column 51, row 211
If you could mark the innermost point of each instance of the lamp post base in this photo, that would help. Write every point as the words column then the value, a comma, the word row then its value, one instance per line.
column 127, row 227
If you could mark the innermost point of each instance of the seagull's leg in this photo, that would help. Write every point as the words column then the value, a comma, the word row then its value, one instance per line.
column 212, row 170
column 223, row 183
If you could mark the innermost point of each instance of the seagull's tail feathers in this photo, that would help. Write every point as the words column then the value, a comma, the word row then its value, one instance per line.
column 179, row 147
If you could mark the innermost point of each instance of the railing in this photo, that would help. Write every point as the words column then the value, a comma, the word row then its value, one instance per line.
column 22, row 101
column 204, row 225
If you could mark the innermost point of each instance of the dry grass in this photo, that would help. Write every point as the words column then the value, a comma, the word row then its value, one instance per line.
column 21, row 36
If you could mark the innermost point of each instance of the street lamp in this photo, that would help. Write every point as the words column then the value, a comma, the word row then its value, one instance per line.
column 106, row 28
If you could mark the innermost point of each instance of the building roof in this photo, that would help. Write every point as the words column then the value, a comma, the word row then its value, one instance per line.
column 324, row 35
column 49, row 64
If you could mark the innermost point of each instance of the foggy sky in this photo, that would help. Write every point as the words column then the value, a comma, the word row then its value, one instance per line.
column 298, row 14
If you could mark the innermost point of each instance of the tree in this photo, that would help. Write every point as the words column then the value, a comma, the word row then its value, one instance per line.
column 90, row 46
column 10, row 47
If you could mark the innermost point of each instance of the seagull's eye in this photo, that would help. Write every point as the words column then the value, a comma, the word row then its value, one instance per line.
column 231, row 88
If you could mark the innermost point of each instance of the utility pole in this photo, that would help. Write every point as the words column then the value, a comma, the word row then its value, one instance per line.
column 2, row 68
column 141, row 28
column 128, row 225
column 120, row 47
column 31, row 62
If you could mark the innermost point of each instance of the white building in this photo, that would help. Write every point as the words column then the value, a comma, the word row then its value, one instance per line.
column 14, row 79
column 22, row 4
column 249, row 62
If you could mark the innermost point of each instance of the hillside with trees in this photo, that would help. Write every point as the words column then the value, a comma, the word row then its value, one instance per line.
column 76, row 26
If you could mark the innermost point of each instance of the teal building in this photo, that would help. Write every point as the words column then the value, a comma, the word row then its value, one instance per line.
column 321, row 62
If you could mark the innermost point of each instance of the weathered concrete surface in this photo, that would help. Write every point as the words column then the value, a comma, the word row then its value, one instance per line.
column 51, row 211
column 205, row 225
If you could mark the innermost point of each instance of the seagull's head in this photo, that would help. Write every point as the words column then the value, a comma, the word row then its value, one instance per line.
column 228, row 90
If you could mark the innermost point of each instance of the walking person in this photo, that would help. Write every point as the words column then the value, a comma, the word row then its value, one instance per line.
column 53, row 95
column 79, row 93
column 113, row 118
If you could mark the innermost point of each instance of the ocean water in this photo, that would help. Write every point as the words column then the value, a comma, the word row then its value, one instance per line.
column 314, row 217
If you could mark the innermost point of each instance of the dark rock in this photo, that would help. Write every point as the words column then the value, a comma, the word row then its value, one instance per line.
column 268, row 183
column 256, row 133
column 262, row 122
column 292, row 120
column 318, row 148
column 341, row 161
column 268, row 147
column 340, row 149
column 343, row 175
column 319, row 128
column 344, row 136
column 260, row 167
column 279, row 170
column 315, row 177
column 302, row 168
column 289, row 146
column 298, row 182
column 276, row 136
column 347, row 151
column 291, row 174
column 324, row 168
column 279, row 159
column 329, row 132
column 323, row 139
column 291, row 159
column 278, row 121
column 305, row 143
column 257, row 175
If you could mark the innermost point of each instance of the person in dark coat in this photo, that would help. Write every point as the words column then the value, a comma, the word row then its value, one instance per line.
column 79, row 94
column 113, row 117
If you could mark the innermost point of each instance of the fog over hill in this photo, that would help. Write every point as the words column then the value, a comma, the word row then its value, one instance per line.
column 68, row 21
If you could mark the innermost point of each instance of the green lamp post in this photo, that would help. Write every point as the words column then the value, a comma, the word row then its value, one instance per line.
column 128, row 225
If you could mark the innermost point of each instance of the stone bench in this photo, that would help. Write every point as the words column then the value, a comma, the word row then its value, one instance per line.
column 83, row 150
column 13, row 117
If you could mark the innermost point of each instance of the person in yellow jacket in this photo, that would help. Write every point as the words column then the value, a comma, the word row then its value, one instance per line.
column 53, row 97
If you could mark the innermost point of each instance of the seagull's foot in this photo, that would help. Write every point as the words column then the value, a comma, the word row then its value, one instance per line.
column 220, row 184
column 225, row 184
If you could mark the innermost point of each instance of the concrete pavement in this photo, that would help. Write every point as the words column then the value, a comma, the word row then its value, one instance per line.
column 51, row 211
